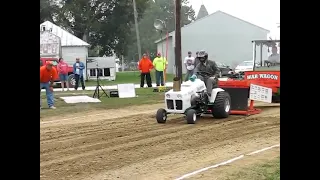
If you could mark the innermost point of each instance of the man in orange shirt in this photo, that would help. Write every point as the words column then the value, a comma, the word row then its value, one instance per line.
column 145, row 66
column 48, row 74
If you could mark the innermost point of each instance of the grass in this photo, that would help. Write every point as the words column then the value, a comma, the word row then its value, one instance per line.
column 144, row 96
column 267, row 171
column 127, row 77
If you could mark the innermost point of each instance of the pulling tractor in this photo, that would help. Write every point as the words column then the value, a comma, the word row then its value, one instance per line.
column 267, row 74
column 193, row 100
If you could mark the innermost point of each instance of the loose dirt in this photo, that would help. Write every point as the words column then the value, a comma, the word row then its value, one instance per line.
column 130, row 144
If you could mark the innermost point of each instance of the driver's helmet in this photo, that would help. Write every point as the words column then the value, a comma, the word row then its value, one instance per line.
column 203, row 56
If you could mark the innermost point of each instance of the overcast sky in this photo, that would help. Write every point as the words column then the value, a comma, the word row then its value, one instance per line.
column 262, row 13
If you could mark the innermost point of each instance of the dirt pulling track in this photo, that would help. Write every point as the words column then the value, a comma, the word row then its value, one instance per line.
column 129, row 144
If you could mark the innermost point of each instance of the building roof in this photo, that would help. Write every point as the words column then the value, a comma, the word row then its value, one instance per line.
column 202, row 12
column 67, row 39
column 215, row 13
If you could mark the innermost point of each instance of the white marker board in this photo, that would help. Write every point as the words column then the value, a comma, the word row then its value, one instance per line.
column 260, row 93
column 126, row 90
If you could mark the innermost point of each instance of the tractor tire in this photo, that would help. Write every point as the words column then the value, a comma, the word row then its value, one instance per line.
column 71, row 81
column 222, row 105
column 191, row 116
column 276, row 99
column 161, row 116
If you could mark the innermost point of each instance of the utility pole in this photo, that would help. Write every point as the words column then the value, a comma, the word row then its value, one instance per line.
column 122, row 63
column 178, row 61
column 137, row 28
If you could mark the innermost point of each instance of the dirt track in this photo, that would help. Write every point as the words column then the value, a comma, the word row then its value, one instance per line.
column 129, row 144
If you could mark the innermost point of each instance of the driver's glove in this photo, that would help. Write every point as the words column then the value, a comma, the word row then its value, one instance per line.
column 192, row 78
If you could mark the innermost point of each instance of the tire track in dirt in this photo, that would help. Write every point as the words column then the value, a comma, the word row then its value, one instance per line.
column 102, row 145
column 138, row 139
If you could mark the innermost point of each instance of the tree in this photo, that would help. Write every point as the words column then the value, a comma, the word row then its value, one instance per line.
column 103, row 23
column 48, row 9
column 157, row 9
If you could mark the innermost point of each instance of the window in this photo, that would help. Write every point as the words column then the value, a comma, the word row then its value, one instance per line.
column 41, row 63
column 93, row 72
column 100, row 72
column 106, row 72
column 55, row 63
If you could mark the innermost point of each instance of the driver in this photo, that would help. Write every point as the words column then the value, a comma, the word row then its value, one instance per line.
column 274, row 57
column 207, row 71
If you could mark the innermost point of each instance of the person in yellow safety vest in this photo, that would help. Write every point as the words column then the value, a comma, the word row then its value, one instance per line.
column 159, row 64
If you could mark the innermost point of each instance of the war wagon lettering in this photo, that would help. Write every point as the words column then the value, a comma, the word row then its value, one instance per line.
column 268, row 76
column 252, row 76
column 262, row 76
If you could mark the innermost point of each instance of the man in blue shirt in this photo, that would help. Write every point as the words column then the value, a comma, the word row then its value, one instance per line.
column 78, row 68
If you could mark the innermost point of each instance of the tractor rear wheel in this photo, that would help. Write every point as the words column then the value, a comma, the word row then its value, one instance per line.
column 222, row 105
column 161, row 116
column 191, row 116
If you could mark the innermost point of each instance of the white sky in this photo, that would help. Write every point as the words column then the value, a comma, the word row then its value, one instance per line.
column 265, row 14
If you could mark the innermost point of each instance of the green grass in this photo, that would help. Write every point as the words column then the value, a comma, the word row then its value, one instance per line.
column 144, row 96
column 127, row 77
column 267, row 171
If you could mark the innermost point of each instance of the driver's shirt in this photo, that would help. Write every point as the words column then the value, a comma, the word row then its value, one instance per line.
column 275, row 58
column 209, row 67
column 189, row 62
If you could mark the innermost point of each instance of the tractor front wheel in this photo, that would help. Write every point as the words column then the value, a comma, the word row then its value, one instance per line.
column 222, row 105
column 191, row 116
column 161, row 116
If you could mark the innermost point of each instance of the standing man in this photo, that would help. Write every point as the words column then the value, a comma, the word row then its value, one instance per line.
column 159, row 64
column 189, row 64
column 196, row 60
column 78, row 68
column 48, row 74
column 63, row 73
column 145, row 66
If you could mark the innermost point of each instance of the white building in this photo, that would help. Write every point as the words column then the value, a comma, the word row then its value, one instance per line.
column 103, row 67
column 226, row 38
column 72, row 47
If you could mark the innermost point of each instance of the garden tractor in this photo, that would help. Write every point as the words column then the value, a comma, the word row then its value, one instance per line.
column 192, row 100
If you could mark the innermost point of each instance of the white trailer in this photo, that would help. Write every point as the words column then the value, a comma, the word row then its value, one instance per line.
column 104, row 67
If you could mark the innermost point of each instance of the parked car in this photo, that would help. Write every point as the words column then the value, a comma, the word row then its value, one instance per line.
column 244, row 66
column 225, row 70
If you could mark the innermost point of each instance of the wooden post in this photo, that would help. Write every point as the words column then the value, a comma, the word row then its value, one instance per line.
column 178, row 61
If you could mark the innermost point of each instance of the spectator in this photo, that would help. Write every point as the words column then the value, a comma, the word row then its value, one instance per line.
column 145, row 66
column 63, row 73
column 159, row 64
column 189, row 64
column 196, row 60
column 78, row 68
column 48, row 74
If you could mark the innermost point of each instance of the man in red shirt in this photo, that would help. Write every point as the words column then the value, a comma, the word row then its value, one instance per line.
column 48, row 74
column 145, row 66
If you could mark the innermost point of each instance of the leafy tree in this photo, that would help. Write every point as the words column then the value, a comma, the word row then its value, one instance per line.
column 104, row 23
column 157, row 9
column 48, row 9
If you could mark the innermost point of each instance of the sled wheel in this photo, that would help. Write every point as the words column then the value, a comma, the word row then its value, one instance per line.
column 191, row 116
column 161, row 116
column 222, row 105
